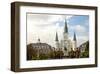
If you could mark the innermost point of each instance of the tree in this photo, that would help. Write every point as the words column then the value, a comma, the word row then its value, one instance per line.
column 86, row 53
column 31, row 53
column 59, row 54
column 52, row 55
column 43, row 56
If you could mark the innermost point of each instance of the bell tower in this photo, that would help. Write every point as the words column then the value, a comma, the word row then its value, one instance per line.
column 57, row 41
column 65, row 39
column 74, row 42
column 65, row 33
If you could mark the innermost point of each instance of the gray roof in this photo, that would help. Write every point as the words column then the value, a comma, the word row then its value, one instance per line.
column 40, row 44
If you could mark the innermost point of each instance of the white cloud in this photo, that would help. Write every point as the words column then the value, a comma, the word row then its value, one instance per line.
column 43, row 27
column 81, row 33
column 80, row 28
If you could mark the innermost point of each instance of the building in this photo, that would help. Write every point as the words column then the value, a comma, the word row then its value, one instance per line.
column 65, row 44
column 65, row 47
column 43, row 48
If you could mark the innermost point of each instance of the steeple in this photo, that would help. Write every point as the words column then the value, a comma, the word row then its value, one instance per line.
column 74, row 37
column 56, row 39
column 65, row 28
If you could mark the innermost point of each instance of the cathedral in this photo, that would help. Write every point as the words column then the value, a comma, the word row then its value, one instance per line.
column 66, row 45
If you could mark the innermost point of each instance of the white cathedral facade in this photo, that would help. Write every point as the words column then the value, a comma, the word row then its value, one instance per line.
column 66, row 44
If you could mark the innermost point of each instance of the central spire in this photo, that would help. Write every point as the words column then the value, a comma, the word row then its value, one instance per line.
column 65, row 28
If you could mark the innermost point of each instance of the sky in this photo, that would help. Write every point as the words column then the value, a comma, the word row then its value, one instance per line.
column 45, row 26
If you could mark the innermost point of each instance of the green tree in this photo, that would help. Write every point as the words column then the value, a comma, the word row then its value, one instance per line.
column 59, row 54
column 31, row 53
column 85, row 54
column 43, row 56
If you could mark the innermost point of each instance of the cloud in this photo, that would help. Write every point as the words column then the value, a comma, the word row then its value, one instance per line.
column 81, row 33
column 79, row 28
column 45, row 26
